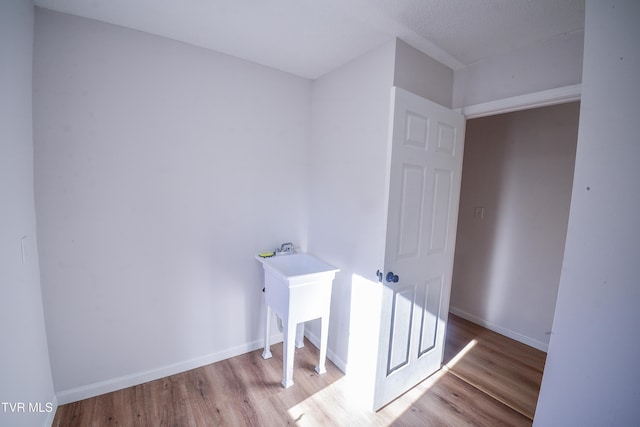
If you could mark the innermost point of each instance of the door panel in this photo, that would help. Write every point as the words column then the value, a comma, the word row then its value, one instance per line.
column 417, row 130
column 429, row 324
column 446, row 139
column 411, row 208
column 424, row 190
column 400, row 337
column 440, row 203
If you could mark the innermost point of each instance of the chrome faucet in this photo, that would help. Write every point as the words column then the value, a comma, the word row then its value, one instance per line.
column 286, row 248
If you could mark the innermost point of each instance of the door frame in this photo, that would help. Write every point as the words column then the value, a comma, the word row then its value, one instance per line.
column 527, row 101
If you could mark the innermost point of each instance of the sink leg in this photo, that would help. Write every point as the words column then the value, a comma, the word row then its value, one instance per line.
column 300, row 335
column 288, row 351
column 324, row 333
column 266, row 353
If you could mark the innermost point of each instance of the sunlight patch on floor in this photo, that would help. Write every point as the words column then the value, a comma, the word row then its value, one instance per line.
column 348, row 394
column 467, row 348
column 322, row 406
column 397, row 408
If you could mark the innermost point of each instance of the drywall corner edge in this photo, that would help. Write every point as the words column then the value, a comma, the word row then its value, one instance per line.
column 51, row 415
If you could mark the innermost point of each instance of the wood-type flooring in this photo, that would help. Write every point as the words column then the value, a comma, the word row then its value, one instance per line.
column 487, row 380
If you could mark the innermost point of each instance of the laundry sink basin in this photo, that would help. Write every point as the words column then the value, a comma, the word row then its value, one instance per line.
column 297, row 269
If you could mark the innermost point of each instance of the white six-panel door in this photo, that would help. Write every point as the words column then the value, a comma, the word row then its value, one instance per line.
column 426, row 168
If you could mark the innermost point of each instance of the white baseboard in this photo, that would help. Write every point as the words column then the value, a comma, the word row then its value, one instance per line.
column 341, row 364
column 107, row 386
column 500, row 330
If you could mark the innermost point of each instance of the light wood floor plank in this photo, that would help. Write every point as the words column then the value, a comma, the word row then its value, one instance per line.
column 246, row 391
column 505, row 369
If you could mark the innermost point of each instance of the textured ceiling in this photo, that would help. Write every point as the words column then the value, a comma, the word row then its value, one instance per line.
column 311, row 37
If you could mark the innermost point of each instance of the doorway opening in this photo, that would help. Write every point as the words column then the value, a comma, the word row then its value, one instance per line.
column 517, row 180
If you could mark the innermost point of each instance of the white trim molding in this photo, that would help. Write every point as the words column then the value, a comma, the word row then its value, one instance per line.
column 543, row 98
column 113, row 384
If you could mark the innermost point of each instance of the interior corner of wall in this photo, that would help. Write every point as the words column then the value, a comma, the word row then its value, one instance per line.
column 54, row 408
column 457, row 95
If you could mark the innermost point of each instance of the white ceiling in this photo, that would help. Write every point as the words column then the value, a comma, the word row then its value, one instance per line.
column 311, row 37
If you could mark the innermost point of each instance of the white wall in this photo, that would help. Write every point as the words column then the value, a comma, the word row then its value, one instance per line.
column 519, row 167
column 419, row 73
column 552, row 64
column 161, row 169
column 591, row 376
column 350, row 119
column 25, row 374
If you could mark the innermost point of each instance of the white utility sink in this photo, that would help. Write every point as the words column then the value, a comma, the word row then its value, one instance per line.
column 297, row 268
column 297, row 289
